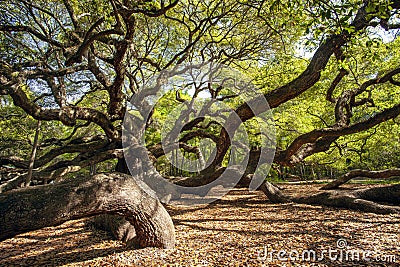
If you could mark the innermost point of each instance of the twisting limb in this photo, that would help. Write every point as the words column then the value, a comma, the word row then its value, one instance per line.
column 366, row 200
column 113, row 193
column 310, row 76
column 361, row 173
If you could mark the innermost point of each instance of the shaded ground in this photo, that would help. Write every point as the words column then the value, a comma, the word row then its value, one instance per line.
column 234, row 231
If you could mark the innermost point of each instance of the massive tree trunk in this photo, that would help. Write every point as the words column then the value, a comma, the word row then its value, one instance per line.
column 121, row 166
column 368, row 200
column 361, row 173
column 32, row 208
column 117, row 226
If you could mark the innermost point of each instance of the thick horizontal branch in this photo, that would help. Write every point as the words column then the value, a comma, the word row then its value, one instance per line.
column 313, row 136
column 361, row 173
column 367, row 200
column 60, row 169
column 159, row 150
column 68, row 115
column 36, row 207
column 70, row 148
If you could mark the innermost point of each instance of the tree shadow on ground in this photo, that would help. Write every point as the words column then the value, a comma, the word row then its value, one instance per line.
column 75, row 242
column 71, row 243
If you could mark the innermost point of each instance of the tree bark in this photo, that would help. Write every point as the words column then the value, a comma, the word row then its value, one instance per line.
column 367, row 200
column 273, row 193
column 119, row 228
column 13, row 183
column 121, row 166
column 32, row 208
column 360, row 173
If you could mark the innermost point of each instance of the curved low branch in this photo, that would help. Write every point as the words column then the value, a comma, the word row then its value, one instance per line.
column 273, row 193
column 58, row 170
column 36, row 207
column 81, row 145
column 363, row 199
column 61, row 168
column 97, row 142
column 361, row 173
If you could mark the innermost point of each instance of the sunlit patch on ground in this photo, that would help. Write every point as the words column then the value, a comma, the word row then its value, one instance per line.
column 234, row 231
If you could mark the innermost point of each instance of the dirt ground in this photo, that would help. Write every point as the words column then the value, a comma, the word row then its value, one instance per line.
column 241, row 229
